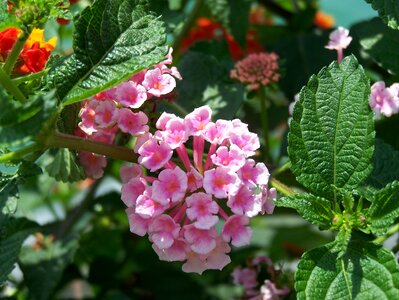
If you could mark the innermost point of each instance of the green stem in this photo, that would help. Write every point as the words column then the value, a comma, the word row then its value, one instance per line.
column 16, row 50
column 19, row 154
column 282, row 168
column 265, row 124
column 11, row 87
column 394, row 229
column 61, row 140
column 177, row 107
column 187, row 24
column 281, row 187
column 29, row 77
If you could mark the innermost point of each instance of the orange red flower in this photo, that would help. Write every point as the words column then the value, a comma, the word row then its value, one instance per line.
column 323, row 20
column 34, row 55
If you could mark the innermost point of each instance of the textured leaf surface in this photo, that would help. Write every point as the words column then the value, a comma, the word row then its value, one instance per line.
column 388, row 10
column 380, row 42
column 114, row 39
column 331, row 139
column 233, row 15
column 365, row 272
column 43, row 268
column 316, row 210
column 385, row 165
column 64, row 167
column 384, row 209
column 19, row 123
column 205, row 82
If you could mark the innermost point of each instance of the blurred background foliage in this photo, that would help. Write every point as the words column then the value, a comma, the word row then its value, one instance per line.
column 95, row 256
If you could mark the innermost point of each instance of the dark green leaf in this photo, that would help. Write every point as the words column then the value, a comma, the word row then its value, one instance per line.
column 114, row 39
column 233, row 15
column 13, row 233
column 6, row 19
column 316, row 210
column 331, row 139
column 384, row 209
column 366, row 271
column 64, row 167
column 43, row 268
column 205, row 82
column 380, row 42
column 388, row 11
column 20, row 123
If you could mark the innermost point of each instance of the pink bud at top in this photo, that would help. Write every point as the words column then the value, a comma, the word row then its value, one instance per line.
column 171, row 186
column 130, row 94
column 157, row 83
column 131, row 122
column 339, row 39
column 198, row 119
column 154, row 155
column 235, row 229
column 202, row 208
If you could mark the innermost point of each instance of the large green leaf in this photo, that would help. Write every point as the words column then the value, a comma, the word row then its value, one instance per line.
column 20, row 123
column 384, row 209
column 388, row 11
column 113, row 40
column 316, row 210
column 233, row 15
column 385, row 165
column 64, row 167
column 365, row 272
column 206, row 82
column 43, row 268
column 13, row 233
column 331, row 139
column 380, row 42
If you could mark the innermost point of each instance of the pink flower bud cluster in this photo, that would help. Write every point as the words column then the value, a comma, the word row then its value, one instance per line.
column 188, row 196
column 384, row 100
column 248, row 278
column 339, row 40
column 115, row 110
column 256, row 70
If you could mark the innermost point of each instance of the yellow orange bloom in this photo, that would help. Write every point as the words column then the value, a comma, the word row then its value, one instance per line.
column 323, row 20
column 37, row 36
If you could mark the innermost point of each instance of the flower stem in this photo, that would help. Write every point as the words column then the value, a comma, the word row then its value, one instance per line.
column 16, row 50
column 11, row 87
column 61, row 140
column 29, row 77
column 265, row 124
column 19, row 154
column 394, row 229
column 282, row 168
column 177, row 107
column 281, row 187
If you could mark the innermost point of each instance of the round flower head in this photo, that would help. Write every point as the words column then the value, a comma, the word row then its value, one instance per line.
column 181, row 199
column 384, row 100
column 256, row 70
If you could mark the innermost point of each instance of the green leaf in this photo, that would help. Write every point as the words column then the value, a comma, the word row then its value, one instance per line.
column 114, row 39
column 234, row 16
column 64, row 167
column 380, row 42
column 366, row 272
column 316, row 210
column 385, row 165
column 20, row 123
column 12, row 234
column 384, row 209
column 331, row 138
column 388, row 10
column 206, row 82
column 43, row 268
column 6, row 19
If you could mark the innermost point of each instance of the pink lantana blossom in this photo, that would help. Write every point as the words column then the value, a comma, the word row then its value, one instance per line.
column 132, row 190
column 146, row 207
column 131, row 122
column 339, row 40
column 158, row 84
column 220, row 182
column 171, row 186
column 235, row 229
column 201, row 241
column 129, row 171
column 93, row 164
column 176, row 252
column 202, row 209
column 384, row 100
column 174, row 133
column 106, row 114
column 163, row 231
column 247, row 277
column 232, row 158
column 245, row 202
column 138, row 224
column 198, row 119
column 131, row 94
column 154, row 155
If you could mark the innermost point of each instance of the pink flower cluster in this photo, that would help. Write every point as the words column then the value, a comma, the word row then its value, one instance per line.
column 248, row 279
column 339, row 40
column 186, row 199
column 384, row 100
column 115, row 110
column 256, row 70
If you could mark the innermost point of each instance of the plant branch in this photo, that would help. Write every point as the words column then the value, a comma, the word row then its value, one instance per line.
column 16, row 50
column 19, row 154
column 274, row 7
column 11, row 87
column 281, row 187
column 61, row 140
column 282, row 168
column 394, row 229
